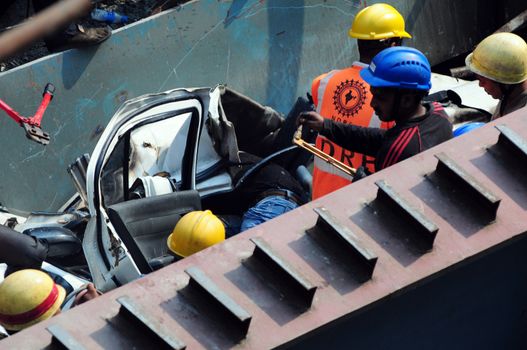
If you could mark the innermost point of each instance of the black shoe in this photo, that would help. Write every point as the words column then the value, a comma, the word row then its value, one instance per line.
column 79, row 37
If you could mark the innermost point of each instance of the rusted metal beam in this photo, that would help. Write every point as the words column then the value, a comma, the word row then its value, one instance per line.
column 286, row 274
column 130, row 309
column 421, row 227
column 338, row 239
column 192, row 297
column 513, row 142
column 234, row 313
column 62, row 338
column 468, row 185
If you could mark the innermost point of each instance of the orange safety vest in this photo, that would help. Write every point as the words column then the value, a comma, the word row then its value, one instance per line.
column 342, row 95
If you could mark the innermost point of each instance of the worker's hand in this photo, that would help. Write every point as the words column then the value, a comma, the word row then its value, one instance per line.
column 86, row 295
column 312, row 120
column 361, row 173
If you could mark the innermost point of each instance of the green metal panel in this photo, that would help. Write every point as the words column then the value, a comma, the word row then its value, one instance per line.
column 270, row 50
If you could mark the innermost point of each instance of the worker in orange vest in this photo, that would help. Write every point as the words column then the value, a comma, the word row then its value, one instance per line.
column 399, row 77
column 343, row 96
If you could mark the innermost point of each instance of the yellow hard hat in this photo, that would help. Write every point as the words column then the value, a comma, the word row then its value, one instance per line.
column 378, row 21
column 501, row 57
column 195, row 231
column 28, row 297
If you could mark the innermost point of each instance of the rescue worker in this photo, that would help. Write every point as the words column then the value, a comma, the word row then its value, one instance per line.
column 343, row 96
column 500, row 64
column 30, row 296
column 195, row 231
column 399, row 78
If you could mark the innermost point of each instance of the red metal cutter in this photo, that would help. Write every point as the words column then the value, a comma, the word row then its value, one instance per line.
column 32, row 125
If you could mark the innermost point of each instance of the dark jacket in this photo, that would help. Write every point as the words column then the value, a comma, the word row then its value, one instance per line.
column 404, row 140
column 21, row 251
column 270, row 177
column 514, row 100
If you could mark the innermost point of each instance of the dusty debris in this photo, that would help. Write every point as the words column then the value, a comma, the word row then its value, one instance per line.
column 133, row 9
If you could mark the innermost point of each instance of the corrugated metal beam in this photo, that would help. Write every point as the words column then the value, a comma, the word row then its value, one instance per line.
column 420, row 226
column 286, row 274
column 339, row 240
column 468, row 185
column 214, row 299
column 63, row 338
column 233, row 313
column 129, row 308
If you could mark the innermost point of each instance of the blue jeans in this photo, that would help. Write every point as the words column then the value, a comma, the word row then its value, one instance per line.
column 266, row 209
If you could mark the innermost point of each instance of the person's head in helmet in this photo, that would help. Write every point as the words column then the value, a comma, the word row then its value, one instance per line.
column 399, row 78
column 376, row 28
column 28, row 297
column 500, row 64
column 195, row 231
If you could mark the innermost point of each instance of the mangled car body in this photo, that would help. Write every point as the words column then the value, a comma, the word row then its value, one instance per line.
column 160, row 156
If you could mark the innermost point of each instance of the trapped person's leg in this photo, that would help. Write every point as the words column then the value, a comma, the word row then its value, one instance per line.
column 266, row 209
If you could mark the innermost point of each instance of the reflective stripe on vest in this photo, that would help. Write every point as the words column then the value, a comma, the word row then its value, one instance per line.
column 375, row 122
column 322, row 88
column 324, row 166
column 344, row 97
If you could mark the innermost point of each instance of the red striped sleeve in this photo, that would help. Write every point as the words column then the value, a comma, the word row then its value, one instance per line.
column 395, row 146
column 403, row 146
column 438, row 106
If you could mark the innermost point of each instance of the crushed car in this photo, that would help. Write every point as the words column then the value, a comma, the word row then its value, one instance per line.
column 166, row 154
column 160, row 157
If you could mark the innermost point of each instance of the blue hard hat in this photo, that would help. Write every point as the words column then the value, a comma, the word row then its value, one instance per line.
column 463, row 129
column 399, row 67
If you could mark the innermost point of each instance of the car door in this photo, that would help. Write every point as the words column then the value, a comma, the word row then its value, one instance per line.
column 152, row 134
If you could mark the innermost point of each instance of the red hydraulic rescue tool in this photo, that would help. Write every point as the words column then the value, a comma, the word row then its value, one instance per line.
column 32, row 125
